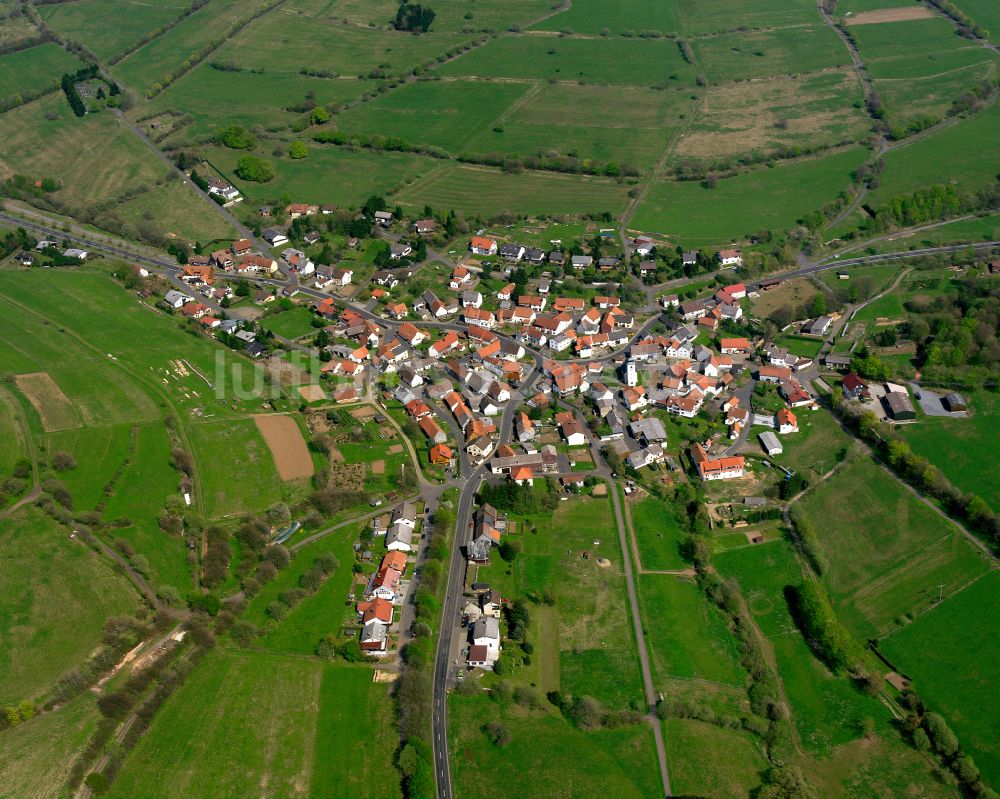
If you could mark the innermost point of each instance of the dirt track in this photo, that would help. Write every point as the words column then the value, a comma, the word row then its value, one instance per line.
column 283, row 437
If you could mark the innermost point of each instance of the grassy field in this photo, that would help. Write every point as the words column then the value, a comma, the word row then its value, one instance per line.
column 174, row 210
column 697, row 216
column 658, row 534
column 86, row 22
column 737, row 760
column 949, row 653
column 148, row 65
column 965, row 153
column 959, row 447
column 253, row 724
column 36, row 756
column 764, row 115
column 488, row 192
column 57, row 595
column 450, row 15
column 826, row 710
column 986, row 228
column 27, row 71
column 888, row 552
column 759, row 54
column 636, row 62
column 443, row 113
column 686, row 634
column 359, row 174
column 724, row 15
column 283, row 43
column 985, row 13
column 293, row 323
column 632, row 127
column 214, row 97
column 109, row 159
column 614, row 16
column 813, row 450
column 12, row 432
column 800, row 345
column 546, row 755
column 588, row 634
column 237, row 470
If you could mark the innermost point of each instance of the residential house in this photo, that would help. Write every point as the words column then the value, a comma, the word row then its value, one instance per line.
column 720, row 468
column 482, row 245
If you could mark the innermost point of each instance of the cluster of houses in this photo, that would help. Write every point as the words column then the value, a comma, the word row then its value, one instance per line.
column 385, row 588
column 484, row 615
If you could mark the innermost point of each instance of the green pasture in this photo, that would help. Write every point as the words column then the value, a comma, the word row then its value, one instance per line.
column 889, row 41
column 614, row 17
column 960, row 446
column 285, row 44
column 176, row 211
column 109, row 158
column 36, row 756
column 90, row 22
column 632, row 126
column 28, row 71
column 442, row 113
column 146, row 67
column 12, row 433
column 814, row 449
column 736, row 758
column 636, row 62
column 293, row 323
column 359, row 174
column 236, row 470
column 215, row 97
column 889, row 554
column 950, row 653
column 546, row 757
column 246, row 723
column 697, row 216
column 984, row 228
column 966, row 153
column 727, row 15
column 801, row 345
column 826, row 710
column 658, row 534
column 488, row 192
column 848, row 7
column 985, row 12
column 99, row 452
column 57, row 595
column 757, row 54
column 686, row 634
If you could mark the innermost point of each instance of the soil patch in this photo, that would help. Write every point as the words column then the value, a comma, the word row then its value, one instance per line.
column 288, row 447
column 312, row 393
column 378, row 467
column 395, row 449
column 363, row 414
column 890, row 15
column 53, row 407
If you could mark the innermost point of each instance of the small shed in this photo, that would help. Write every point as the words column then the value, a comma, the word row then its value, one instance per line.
column 955, row 402
column 769, row 441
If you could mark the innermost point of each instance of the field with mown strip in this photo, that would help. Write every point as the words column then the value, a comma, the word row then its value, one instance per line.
column 57, row 593
column 36, row 755
column 109, row 27
column 147, row 66
column 489, row 192
column 658, row 534
column 736, row 758
column 826, row 710
column 686, row 635
column 696, row 216
column 635, row 62
column 443, row 113
column 961, row 448
column 12, row 432
column 246, row 724
column 546, row 757
column 951, row 653
column 27, row 71
column 725, row 15
column 108, row 160
column 757, row 54
column 614, row 16
column 889, row 554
